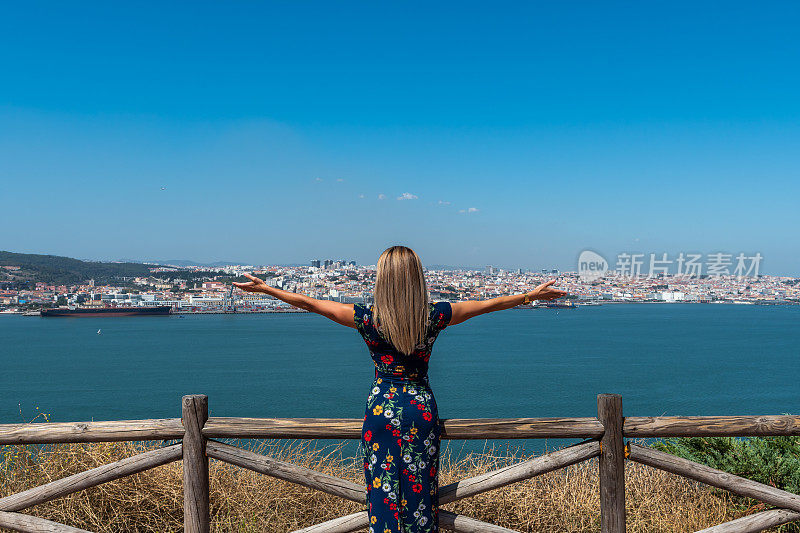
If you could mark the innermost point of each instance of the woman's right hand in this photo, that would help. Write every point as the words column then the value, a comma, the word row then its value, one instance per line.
column 255, row 285
column 545, row 292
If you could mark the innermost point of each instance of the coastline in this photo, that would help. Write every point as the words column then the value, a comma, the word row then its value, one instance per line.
column 519, row 307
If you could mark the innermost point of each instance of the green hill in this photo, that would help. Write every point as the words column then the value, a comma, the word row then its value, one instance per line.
column 65, row 270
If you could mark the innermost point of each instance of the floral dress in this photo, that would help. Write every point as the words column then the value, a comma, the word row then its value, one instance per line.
column 400, row 435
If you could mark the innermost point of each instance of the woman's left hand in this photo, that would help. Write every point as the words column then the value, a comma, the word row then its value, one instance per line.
column 255, row 285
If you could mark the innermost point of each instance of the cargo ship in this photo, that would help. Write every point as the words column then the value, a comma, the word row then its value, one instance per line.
column 108, row 311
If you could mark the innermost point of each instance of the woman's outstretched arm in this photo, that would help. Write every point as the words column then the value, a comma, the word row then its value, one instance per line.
column 471, row 308
column 336, row 311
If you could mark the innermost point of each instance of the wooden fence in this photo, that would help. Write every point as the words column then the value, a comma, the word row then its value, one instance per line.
column 604, row 439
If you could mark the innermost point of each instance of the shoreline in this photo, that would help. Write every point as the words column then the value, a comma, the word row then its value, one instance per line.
column 578, row 304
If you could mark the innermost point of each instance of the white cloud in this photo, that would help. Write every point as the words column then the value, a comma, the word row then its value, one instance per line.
column 339, row 179
column 381, row 197
column 407, row 196
column 469, row 210
column 361, row 196
column 442, row 202
column 317, row 179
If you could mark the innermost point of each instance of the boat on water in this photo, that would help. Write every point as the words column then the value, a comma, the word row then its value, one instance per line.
column 108, row 311
column 569, row 304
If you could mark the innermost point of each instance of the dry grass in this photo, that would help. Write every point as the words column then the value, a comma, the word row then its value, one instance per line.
column 242, row 501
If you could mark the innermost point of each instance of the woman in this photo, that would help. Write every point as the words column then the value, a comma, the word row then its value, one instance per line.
column 400, row 434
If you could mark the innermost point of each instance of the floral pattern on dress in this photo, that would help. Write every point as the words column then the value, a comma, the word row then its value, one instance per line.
column 386, row 358
column 401, row 432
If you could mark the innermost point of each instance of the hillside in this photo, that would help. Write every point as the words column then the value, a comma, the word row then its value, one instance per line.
column 64, row 270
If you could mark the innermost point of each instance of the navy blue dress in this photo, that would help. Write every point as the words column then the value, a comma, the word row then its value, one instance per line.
column 400, row 435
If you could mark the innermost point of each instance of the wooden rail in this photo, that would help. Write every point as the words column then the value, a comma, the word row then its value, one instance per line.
column 604, row 439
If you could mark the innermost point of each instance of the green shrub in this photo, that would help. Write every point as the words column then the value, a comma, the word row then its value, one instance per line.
column 773, row 461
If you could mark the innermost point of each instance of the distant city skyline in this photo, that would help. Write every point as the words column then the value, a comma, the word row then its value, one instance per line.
column 626, row 265
column 278, row 133
column 207, row 289
column 310, row 262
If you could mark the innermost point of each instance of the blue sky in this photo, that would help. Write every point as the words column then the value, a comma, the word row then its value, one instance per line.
column 523, row 132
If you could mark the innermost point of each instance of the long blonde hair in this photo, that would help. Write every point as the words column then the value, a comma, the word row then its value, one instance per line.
column 400, row 311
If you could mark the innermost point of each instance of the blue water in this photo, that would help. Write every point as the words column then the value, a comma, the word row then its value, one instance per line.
column 664, row 359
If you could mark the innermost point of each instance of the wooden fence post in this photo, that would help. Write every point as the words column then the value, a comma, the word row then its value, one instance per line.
column 196, row 517
column 612, row 464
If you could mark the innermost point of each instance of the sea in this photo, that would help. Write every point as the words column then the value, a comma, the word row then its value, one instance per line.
column 664, row 359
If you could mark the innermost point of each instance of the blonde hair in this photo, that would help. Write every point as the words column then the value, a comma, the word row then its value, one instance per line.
column 400, row 312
